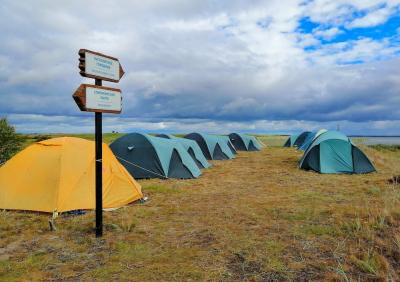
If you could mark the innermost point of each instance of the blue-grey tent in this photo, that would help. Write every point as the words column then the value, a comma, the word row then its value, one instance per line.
column 244, row 142
column 213, row 148
column 191, row 147
column 146, row 156
column 333, row 152
column 291, row 140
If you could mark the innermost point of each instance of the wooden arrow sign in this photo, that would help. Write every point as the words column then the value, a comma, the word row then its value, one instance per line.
column 93, row 98
column 99, row 66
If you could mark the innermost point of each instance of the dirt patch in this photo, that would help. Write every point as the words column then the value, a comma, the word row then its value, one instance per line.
column 6, row 252
column 395, row 180
column 241, row 268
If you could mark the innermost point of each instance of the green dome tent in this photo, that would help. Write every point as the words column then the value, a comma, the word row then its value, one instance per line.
column 243, row 142
column 290, row 141
column 213, row 148
column 192, row 148
column 146, row 156
column 333, row 152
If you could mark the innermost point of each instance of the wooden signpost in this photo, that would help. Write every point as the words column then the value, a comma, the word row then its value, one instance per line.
column 92, row 98
column 99, row 66
column 99, row 99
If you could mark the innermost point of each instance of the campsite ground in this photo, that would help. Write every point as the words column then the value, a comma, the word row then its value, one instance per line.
column 255, row 218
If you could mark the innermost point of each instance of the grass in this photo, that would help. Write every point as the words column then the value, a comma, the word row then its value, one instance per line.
column 107, row 137
column 255, row 218
column 392, row 148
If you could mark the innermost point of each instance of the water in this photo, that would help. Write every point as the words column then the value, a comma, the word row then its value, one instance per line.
column 367, row 140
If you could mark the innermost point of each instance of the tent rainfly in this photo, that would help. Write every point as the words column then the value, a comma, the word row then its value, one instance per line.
column 57, row 175
column 333, row 152
column 243, row 142
column 192, row 148
column 146, row 156
column 213, row 148
column 301, row 138
column 310, row 138
column 228, row 142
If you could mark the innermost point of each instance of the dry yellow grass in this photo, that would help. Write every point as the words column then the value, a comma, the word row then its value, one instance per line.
column 255, row 218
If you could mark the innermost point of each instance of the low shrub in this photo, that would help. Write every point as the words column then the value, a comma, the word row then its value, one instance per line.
column 10, row 141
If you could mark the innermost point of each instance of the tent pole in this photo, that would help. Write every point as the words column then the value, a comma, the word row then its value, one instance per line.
column 99, row 170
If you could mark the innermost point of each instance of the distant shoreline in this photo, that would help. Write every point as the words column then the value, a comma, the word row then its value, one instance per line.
column 379, row 136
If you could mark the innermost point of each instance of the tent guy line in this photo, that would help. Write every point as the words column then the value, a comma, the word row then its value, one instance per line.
column 155, row 173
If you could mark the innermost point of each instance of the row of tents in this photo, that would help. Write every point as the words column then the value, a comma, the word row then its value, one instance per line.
column 329, row 152
column 168, row 156
column 57, row 175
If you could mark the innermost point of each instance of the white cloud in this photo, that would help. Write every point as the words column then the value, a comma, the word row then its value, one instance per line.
column 372, row 18
column 341, row 12
column 207, row 24
column 307, row 40
column 361, row 50
column 327, row 33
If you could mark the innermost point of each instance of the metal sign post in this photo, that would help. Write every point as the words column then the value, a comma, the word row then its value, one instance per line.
column 99, row 169
column 99, row 99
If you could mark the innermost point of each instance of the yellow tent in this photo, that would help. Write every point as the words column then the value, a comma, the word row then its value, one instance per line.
column 58, row 175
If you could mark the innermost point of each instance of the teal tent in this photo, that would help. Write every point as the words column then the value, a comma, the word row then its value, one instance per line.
column 228, row 142
column 290, row 141
column 243, row 142
column 333, row 152
column 310, row 138
column 213, row 148
column 146, row 156
column 192, row 148
column 301, row 138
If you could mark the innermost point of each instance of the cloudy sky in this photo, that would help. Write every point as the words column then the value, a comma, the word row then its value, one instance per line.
column 211, row 66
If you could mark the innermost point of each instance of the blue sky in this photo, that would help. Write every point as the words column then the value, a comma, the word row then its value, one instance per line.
column 212, row 66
